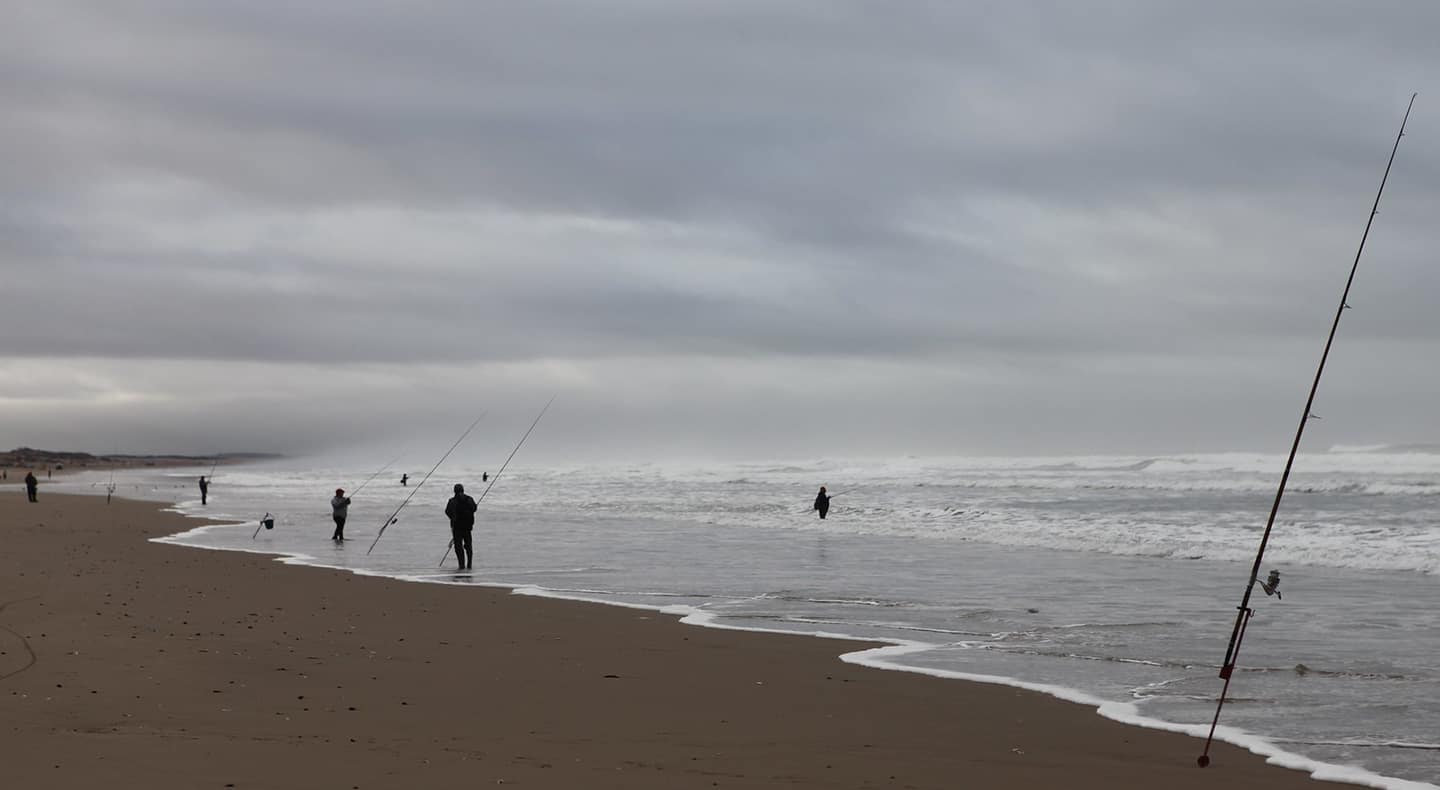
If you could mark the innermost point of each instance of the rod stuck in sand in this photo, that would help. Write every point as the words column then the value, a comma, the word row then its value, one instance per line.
column 1271, row 585
column 266, row 522
column 110, row 486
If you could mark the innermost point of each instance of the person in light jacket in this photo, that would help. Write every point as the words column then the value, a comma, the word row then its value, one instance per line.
column 339, row 507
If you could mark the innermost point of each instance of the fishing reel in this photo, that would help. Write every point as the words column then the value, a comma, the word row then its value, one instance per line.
column 1271, row 585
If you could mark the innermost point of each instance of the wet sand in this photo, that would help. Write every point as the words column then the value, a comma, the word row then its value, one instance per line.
column 137, row 664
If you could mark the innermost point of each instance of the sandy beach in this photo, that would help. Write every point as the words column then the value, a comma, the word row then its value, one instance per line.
column 151, row 665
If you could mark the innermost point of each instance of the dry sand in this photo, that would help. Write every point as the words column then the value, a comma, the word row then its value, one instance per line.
column 131, row 664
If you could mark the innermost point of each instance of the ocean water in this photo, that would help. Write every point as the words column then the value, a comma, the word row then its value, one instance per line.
column 1108, row 580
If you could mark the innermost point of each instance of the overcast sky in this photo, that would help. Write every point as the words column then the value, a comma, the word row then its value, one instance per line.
column 730, row 229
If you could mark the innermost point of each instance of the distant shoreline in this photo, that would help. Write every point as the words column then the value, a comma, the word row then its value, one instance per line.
column 66, row 461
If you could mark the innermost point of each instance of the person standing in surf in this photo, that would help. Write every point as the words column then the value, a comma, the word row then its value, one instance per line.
column 461, row 512
column 822, row 502
column 339, row 507
column 405, row 479
column 204, row 489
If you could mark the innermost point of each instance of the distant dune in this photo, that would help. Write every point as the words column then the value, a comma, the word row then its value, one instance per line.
column 31, row 458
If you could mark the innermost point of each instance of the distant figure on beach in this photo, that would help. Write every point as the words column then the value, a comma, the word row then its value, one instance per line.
column 48, row 473
column 339, row 506
column 461, row 512
column 822, row 502
column 405, row 480
column 31, row 485
column 204, row 489
column 484, row 477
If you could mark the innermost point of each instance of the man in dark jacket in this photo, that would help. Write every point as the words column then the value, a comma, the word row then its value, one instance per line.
column 204, row 490
column 31, row 485
column 822, row 502
column 461, row 512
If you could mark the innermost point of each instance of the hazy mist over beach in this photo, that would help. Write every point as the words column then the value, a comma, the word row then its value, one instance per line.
column 742, row 229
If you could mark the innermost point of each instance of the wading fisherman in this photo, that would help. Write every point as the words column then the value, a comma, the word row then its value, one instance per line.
column 339, row 507
column 204, row 489
column 461, row 512
column 405, row 480
column 31, row 486
column 822, row 502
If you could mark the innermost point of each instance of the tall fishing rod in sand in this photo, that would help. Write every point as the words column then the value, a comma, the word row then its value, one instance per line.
column 110, row 487
column 496, row 478
column 1271, row 585
column 394, row 517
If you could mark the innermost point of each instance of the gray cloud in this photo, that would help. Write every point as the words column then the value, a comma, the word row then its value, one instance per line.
column 1091, row 219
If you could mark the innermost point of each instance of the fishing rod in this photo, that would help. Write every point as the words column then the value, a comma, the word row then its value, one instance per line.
column 496, row 476
column 1271, row 585
column 377, row 474
column 396, row 515
column 110, row 487
column 265, row 521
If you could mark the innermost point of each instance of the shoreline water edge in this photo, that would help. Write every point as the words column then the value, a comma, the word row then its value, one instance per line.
column 882, row 657
column 875, row 652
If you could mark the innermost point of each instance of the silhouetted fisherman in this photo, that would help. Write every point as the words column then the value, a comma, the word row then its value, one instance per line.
column 822, row 502
column 405, row 480
column 461, row 512
column 31, row 486
column 339, row 507
column 484, row 477
column 204, row 489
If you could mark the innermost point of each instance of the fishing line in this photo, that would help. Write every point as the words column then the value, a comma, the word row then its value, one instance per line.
column 377, row 474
